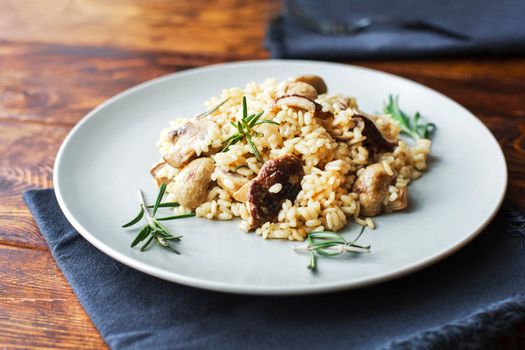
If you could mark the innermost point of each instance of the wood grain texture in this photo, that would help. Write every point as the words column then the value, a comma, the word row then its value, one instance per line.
column 29, row 151
column 58, row 84
column 61, row 58
column 220, row 27
column 38, row 310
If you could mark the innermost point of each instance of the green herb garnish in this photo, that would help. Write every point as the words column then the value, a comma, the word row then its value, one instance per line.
column 211, row 110
column 140, row 215
column 326, row 243
column 409, row 126
column 245, row 129
column 154, row 230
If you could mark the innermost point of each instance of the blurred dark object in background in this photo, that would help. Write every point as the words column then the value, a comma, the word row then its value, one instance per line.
column 339, row 29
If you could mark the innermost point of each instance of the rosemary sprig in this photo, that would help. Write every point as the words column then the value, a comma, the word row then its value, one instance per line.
column 409, row 126
column 326, row 243
column 245, row 129
column 154, row 231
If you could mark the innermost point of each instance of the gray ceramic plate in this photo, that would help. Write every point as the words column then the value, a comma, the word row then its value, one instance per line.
column 106, row 157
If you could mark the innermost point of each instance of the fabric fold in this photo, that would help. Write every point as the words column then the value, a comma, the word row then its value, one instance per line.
column 467, row 300
column 404, row 29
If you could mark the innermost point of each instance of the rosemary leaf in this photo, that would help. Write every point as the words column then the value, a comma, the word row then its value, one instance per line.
column 171, row 249
column 159, row 198
column 329, row 244
column 244, row 108
column 136, row 219
column 358, row 236
column 140, row 215
column 231, row 141
column 248, row 120
column 175, row 217
column 326, row 252
column 210, row 111
column 147, row 244
column 166, row 205
column 161, row 229
column 146, row 230
column 255, row 118
column 264, row 121
column 327, row 234
column 313, row 262
column 255, row 151
column 326, row 244
column 164, row 244
column 173, row 238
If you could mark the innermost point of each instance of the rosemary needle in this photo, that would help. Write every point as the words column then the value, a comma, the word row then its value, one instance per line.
column 141, row 212
column 211, row 110
column 326, row 243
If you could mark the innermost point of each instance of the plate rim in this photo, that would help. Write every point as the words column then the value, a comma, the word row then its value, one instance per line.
column 268, row 289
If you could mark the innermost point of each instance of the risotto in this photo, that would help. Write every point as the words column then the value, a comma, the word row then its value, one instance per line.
column 288, row 158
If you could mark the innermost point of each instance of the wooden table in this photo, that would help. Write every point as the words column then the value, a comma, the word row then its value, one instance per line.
column 60, row 58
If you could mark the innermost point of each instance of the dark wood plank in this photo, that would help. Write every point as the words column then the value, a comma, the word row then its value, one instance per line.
column 38, row 310
column 197, row 27
column 28, row 153
column 57, row 84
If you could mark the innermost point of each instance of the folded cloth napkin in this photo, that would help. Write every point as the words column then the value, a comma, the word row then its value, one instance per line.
column 465, row 301
column 401, row 28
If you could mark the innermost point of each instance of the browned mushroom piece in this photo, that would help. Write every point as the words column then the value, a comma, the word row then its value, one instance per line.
column 314, row 80
column 155, row 172
column 230, row 182
column 375, row 140
column 301, row 102
column 278, row 180
column 192, row 184
column 183, row 137
column 372, row 187
column 401, row 201
column 301, row 89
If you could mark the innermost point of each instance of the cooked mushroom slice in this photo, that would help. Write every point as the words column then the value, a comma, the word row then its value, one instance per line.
column 374, row 138
column 301, row 89
column 231, row 182
column 184, row 137
column 314, row 80
column 401, row 201
column 192, row 184
column 372, row 187
column 295, row 101
column 301, row 102
column 344, row 102
column 156, row 172
column 242, row 193
column 264, row 205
